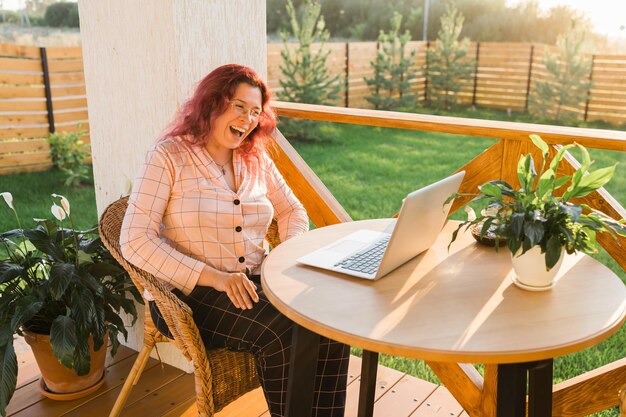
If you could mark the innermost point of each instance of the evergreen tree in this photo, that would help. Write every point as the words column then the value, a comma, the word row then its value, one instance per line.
column 393, row 70
column 568, row 81
column 448, row 65
column 306, row 78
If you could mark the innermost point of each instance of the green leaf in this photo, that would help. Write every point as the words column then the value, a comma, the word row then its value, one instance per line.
column 25, row 310
column 82, row 357
column 83, row 308
column 593, row 181
column 491, row 190
column 533, row 230
column 61, row 275
column 561, row 181
column 8, row 375
column 516, row 223
column 84, row 258
column 9, row 271
column 545, row 184
column 45, row 243
column 541, row 145
column 63, row 340
column 559, row 156
column 514, row 245
column 572, row 210
column 526, row 171
column 553, row 251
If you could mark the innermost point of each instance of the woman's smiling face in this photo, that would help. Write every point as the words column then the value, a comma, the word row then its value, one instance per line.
column 242, row 113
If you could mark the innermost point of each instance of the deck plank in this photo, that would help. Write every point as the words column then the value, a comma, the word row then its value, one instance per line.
column 439, row 403
column 404, row 397
column 169, row 392
column 153, row 378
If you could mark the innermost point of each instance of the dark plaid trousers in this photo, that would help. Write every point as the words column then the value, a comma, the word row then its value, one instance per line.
column 266, row 333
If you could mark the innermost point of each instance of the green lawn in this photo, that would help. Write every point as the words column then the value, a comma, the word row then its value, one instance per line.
column 32, row 199
column 369, row 170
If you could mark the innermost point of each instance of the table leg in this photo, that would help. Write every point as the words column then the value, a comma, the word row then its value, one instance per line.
column 367, row 391
column 540, row 389
column 305, row 348
column 511, row 390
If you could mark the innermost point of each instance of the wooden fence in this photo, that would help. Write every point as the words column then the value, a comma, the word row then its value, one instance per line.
column 504, row 77
column 42, row 89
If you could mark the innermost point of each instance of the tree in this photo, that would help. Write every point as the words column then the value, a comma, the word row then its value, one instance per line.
column 567, row 85
column 306, row 78
column 448, row 64
column 393, row 70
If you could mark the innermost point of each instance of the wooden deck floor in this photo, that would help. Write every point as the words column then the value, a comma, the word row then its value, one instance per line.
column 168, row 392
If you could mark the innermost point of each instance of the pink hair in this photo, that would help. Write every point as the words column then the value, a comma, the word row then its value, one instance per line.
column 192, row 123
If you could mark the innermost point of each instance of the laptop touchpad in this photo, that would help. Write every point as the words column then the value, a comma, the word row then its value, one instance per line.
column 346, row 247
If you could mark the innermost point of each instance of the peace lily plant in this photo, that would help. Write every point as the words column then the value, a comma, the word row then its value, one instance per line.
column 543, row 211
column 63, row 282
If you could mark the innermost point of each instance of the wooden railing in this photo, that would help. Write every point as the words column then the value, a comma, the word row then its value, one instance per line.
column 580, row 396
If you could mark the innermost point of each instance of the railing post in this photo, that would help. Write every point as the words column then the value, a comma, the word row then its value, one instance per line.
column 593, row 60
column 530, row 74
column 46, row 82
column 347, row 83
column 426, row 74
column 476, row 73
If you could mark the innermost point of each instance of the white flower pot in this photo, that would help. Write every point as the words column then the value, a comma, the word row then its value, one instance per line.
column 530, row 270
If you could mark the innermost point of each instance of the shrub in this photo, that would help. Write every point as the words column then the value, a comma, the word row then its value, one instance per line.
column 448, row 65
column 567, row 84
column 69, row 154
column 393, row 70
column 62, row 14
column 9, row 16
column 305, row 75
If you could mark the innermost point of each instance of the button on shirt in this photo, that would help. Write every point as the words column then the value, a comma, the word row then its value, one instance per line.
column 182, row 215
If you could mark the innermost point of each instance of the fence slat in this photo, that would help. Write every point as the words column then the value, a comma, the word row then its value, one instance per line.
column 19, row 64
column 24, row 132
column 14, row 105
column 34, row 145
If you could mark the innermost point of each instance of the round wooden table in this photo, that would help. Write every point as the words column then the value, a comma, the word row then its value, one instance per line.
column 456, row 305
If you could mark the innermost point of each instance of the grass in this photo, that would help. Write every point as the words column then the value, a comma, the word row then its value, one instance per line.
column 32, row 199
column 369, row 170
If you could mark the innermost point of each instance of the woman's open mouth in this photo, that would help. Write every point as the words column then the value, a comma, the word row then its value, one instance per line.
column 237, row 131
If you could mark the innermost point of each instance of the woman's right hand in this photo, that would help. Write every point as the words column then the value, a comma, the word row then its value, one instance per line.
column 240, row 290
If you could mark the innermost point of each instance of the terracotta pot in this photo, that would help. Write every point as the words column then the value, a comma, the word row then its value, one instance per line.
column 530, row 270
column 60, row 382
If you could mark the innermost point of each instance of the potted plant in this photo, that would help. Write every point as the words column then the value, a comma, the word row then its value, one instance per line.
column 61, row 284
column 542, row 217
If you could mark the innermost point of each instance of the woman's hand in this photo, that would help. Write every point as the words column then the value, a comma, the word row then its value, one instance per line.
column 240, row 290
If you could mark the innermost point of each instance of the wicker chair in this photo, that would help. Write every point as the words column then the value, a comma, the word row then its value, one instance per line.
column 221, row 376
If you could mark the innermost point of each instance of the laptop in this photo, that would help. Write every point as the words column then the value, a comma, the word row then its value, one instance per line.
column 372, row 255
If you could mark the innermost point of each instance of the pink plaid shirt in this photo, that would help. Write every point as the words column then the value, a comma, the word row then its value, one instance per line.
column 181, row 214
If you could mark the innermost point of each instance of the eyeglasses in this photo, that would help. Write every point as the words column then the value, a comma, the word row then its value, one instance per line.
column 241, row 110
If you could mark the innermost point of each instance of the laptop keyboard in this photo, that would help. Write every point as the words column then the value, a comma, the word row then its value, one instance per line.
column 366, row 260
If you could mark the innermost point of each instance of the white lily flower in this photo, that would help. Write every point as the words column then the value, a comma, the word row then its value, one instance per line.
column 58, row 212
column 64, row 203
column 8, row 198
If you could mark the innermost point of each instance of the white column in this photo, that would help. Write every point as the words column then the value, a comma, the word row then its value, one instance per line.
column 142, row 59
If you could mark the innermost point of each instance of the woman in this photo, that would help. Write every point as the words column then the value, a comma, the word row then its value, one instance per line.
column 197, row 217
